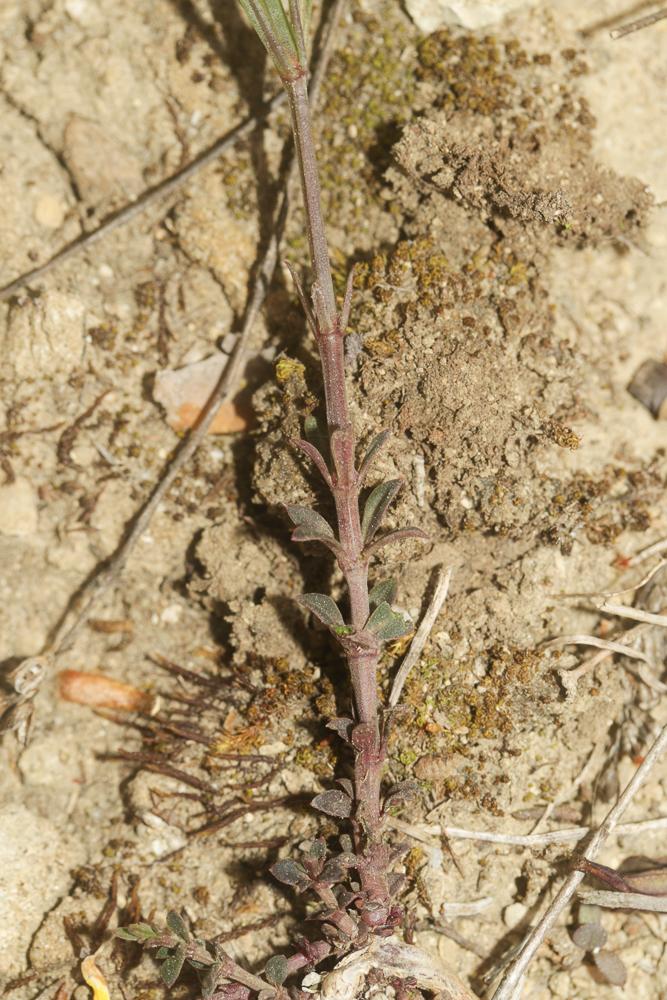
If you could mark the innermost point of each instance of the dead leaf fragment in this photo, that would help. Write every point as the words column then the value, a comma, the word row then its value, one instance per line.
column 99, row 691
column 183, row 392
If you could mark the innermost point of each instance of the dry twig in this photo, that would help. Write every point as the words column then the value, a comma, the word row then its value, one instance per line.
column 511, row 981
column 150, row 197
column 427, row 833
column 641, row 22
column 422, row 634
column 623, row 900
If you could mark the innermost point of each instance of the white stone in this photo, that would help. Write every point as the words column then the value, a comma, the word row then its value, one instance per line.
column 171, row 614
column 514, row 914
column 18, row 508
column 429, row 15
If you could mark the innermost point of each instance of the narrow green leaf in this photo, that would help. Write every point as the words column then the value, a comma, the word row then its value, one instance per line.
column 275, row 31
column 136, row 932
column 376, row 507
column 372, row 450
column 383, row 591
column 124, row 934
column 309, row 524
column 317, row 458
column 176, row 924
column 324, row 608
column 170, row 969
column 387, row 624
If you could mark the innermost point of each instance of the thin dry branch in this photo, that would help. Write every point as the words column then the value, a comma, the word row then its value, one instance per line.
column 641, row 22
column 594, row 640
column 144, row 201
column 634, row 614
column 84, row 601
column 422, row 634
column 623, row 900
column 651, row 550
column 427, row 833
column 514, row 974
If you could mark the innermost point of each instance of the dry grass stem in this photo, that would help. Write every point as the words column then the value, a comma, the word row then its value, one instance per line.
column 511, row 981
column 594, row 640
column 641, row 22
column 422, row 634
column 144, row 201
column 634, row 614
column 427, row 833
column 651, row 550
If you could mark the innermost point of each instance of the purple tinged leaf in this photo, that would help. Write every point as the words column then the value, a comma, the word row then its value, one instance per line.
column 347, row 860
column 324, row 608
column 289, row 872
column 383, row 591
column 652, row 882
column 401, row 792
column 309, row 525
column 374, row 447
column 317, row 849
column 341, row 726
column 611, row 967
column 332, row 872
column 376, row 507
column 387, row 624
column 347, row 786
column 588, row 937
column 316, row 457
column 333, row 803
column 276, row 970
column 394, row 536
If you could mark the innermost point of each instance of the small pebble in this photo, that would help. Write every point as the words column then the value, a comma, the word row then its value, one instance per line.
column 50, row 211
column 171, row 614
column 514, row 914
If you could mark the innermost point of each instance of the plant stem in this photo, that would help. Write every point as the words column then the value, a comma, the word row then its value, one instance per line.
column 353, row 561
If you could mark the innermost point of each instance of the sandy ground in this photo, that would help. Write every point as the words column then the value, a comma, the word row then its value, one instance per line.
column 496, row 339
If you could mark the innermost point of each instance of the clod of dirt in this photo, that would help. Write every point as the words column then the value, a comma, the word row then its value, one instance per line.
column 47, row 338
